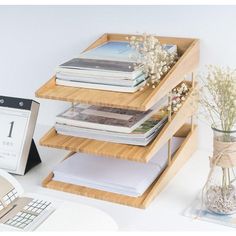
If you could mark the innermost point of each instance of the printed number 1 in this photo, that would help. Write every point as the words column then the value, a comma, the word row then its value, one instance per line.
column 11, row 128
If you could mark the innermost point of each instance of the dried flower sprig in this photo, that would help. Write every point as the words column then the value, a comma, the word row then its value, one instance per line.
column 156, row 61
column 218, row 96
column 178, row 96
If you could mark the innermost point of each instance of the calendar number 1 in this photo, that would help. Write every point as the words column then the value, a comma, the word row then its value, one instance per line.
column 11, row 129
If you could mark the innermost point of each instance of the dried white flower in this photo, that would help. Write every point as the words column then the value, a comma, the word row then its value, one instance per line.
column 218, row 96
column 156, row 61
column 179, row 96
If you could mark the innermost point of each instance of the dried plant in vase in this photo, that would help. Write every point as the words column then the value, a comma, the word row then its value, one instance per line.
column 218, row 101
column 155, row 60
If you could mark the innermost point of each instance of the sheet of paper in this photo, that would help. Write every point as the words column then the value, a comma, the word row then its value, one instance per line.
column 92, row 171
column 113, row 175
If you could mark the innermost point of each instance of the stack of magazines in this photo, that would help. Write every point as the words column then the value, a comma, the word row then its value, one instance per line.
column 109, row 66
column 112, row 124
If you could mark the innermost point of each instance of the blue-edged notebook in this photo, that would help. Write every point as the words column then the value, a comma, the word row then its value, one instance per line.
column 118, row 51
column 114, row 51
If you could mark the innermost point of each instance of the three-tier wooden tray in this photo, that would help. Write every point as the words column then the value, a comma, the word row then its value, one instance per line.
column 180, row 124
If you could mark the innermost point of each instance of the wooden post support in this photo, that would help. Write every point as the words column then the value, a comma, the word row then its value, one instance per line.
column 192, row 82
column 169, row 120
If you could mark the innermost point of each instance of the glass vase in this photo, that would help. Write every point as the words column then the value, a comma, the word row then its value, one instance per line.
column 219, row 193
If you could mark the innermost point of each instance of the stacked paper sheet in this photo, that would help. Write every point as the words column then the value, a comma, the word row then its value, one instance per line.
column 113, row 175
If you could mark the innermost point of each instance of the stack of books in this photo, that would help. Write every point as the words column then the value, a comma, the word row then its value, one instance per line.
column 112, row 124
column 111, row 66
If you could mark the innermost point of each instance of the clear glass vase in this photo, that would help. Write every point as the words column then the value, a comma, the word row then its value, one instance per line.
column 219, row 193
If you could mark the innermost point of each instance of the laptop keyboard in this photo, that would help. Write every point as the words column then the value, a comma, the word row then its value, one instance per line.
column 29, row 213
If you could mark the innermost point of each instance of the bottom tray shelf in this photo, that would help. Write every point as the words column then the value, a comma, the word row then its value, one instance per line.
column 179, row 158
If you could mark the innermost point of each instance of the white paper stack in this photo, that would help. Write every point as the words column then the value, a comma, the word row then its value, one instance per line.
column 113, row 175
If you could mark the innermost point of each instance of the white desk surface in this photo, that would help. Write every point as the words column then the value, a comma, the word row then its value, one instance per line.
column 165, row 212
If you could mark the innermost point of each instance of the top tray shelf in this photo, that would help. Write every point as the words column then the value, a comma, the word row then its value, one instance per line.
column 188, row 49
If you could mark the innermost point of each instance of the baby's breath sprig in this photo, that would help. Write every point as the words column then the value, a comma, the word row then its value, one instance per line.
column 179, row 95
column 218, row 96
column 155, row 60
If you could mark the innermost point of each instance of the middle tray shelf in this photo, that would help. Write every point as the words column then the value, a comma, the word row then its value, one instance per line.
column 124, row 151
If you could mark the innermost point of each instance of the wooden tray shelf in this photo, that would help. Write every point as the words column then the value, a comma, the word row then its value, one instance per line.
column 178, row 160
column 123, row 151
column 188, row 50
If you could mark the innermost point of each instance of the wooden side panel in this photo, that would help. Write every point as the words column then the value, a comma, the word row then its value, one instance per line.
column 101, row 40
column 182, row 43
column 180, row 157
column 185, row 65
column 183, row 154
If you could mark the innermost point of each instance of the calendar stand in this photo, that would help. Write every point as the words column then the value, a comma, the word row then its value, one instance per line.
column 18, row 117
column 33, row 158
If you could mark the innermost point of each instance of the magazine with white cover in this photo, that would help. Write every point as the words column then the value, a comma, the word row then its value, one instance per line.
column 107, row 118
column 107, row 87
column 141, row 136
column 101, row 79
column 17, row 210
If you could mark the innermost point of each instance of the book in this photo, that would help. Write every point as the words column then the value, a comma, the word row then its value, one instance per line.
column 113, row 175
column 111, row 50
column 107, row 118
column 18, row 211
column 141, row 136
column 118, row 51
column 83, row 67
column 108, row 87
column 103, row 80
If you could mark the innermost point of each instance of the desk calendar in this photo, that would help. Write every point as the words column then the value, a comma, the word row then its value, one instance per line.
column 17, row 123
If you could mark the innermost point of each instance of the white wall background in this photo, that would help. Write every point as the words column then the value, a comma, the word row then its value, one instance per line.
column 35, row 39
